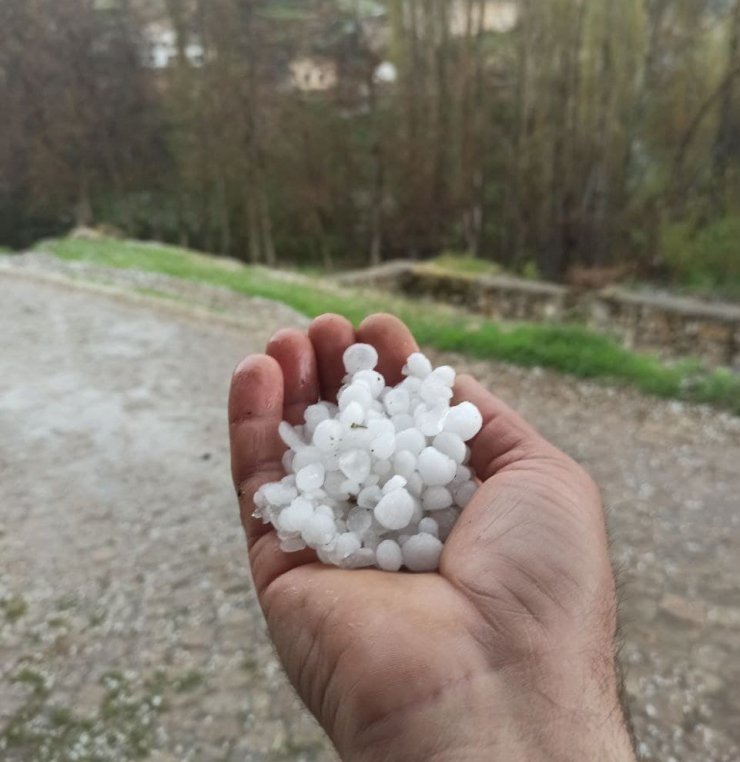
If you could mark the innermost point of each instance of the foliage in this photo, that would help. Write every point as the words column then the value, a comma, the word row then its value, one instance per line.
column 566, row 348
column 569, row 140
column 708, row 258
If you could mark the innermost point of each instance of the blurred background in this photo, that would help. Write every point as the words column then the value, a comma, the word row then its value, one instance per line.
column 546, row 191
column 543, row 136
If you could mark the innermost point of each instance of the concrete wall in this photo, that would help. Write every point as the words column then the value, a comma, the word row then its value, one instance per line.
column 668, row 325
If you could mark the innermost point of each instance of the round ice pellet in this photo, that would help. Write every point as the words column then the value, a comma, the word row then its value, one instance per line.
column 464, row 493
column 355, row 464
column 429, row 526
column 388, row 555
column 359, row 519
column 295, row 517
column 417, row 365
column 404, row 463
column 372, row 379
column 436, row 498
column 347, row 544
column 369, row 496
column 290, row 436
column 353, row 414
column 279, row 493
column 435, row 468
column 394, row 511
column 396, row 401
column 445, row 374
column 319, row 530
column 402, row 421
column 359, row 357
column 305, row 457
column 358, row 393
column 430, row 422
column 310, row 477
column 464, row 420
column 383, row 446
column 451, row 445
column 421, row 552
column 328, row 435
column 394, row 483
column 411, row 440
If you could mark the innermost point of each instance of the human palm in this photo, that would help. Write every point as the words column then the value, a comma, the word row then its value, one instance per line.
column 517, row 625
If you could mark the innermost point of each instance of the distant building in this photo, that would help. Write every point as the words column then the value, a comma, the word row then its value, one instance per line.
column 162, row 42
column 498, row 16
column 314, row 73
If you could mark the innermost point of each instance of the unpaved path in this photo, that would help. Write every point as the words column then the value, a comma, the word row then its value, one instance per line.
column 127, row 625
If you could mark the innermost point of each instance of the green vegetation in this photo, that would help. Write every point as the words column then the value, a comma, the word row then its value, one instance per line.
column 567, row 348
column 14, row 607
column 464, row 264
column 707, row 259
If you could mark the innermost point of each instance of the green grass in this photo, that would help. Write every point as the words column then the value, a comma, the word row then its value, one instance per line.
column 567, row 348
column 465, row 264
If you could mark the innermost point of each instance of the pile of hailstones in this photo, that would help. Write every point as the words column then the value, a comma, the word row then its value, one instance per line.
column 380, row 478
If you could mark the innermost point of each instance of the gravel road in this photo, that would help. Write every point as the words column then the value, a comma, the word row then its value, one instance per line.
column 127, row 623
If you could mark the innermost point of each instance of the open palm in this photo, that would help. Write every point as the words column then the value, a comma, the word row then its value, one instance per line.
column 519, row 620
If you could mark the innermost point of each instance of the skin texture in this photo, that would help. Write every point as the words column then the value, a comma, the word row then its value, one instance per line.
column 506, row 653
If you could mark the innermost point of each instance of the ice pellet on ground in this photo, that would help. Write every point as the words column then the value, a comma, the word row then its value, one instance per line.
column 380, row 478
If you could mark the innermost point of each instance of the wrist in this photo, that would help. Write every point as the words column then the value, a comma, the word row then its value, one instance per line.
column 555, row 709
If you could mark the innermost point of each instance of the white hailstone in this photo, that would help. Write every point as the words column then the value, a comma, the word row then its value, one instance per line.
column 435, row 468
column 464, row 420
column 417, row 365
column 328, row 435
column 451, row 445
column 290, row 436
column 388, row 555
column 436, row 498
column 429, row 526
column 421, row 552
column 395, row 482
column 394, row 511
column 397, row 401
column 378, row 479
column 360, row 357
column 310, row 477
column 305, row 457
column 355, row 464
column 353, row 414
column 402, row 421
column 296, row 516
column 372, row 379
column 347, row 544
column 319, row 530
column 369, row 496
column 314, row 414
column 412, row 440
column 464, row 493
column 358, row 393
column 404, row 463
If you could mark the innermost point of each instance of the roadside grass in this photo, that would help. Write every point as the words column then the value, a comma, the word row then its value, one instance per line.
column 570, row 349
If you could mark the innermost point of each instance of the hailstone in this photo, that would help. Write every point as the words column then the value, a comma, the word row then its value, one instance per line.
column 380, row 478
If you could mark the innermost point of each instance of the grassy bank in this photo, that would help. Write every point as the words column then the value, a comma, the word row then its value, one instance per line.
column 566, row 348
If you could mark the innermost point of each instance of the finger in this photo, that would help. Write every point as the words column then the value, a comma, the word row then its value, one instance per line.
column 268, row 562
column 255, row 411
column 330, row 335
column 392, row 339
column 295, row 355
column 504, row 438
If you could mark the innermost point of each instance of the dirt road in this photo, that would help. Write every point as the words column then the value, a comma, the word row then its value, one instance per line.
column 127, row 625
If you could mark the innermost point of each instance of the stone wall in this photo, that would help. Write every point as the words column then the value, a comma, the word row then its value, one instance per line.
column 669, row 325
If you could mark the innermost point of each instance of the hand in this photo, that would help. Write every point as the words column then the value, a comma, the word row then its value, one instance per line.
column 506, row 653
